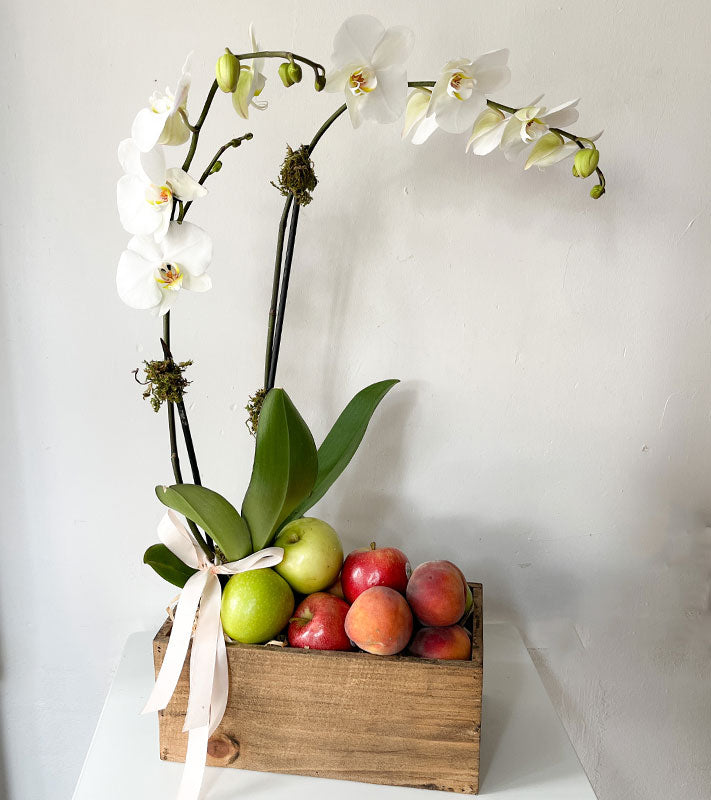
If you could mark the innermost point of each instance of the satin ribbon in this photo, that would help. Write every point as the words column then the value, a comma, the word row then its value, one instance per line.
column 209, row 683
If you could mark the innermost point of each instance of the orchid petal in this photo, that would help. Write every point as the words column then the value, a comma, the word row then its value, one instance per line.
column 393, row 48
column 424, row 130
column 153, row 165
column 168, row 297
column 494, row 58
column 137, row 216
column 511, row 142
column 356, row 40
column 454, row 115
column 129, row 157
column 337, row 79
column 564, row 114
column 243, row 94
column 175, row 131
column 147, row 128
column 487, row 132
column 547, row 150
column 489, row 80
column 184, row 187
column 387, row 102
column 147, row 248
column 416, row 109
column 197, row 283
column 135, row 281
column 187, row 245
column 355, row 103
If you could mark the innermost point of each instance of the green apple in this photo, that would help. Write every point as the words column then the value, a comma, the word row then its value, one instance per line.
column 256, row 605
column 313, row 555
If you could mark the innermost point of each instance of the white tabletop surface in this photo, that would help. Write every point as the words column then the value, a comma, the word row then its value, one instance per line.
column 525, row 753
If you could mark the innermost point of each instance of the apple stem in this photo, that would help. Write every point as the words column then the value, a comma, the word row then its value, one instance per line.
column 372, row 545
column 300, row 619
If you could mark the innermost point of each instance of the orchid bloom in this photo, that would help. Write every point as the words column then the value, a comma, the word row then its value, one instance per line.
column 487, row 131
column 550, row 149
column 459, row 93
column 151, row 274
column 369, row 68
column 250, row 84
column 416, row 120
column 162, row 122
column 530, row 123
column 144, row 195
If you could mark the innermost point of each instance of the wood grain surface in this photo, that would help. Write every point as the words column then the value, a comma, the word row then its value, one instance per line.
column 395, row 720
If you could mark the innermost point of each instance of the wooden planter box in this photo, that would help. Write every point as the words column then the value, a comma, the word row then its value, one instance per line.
column 395, row 720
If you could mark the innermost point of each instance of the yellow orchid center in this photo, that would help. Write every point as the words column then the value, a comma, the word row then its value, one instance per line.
column 460, row 86
column 169, row 276
column 362, row 80
column 158, row 195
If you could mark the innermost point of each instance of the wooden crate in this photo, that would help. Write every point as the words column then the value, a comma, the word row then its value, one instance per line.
column 395, row 720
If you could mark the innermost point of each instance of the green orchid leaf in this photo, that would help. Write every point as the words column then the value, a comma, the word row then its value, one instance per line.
column 168, row 565
column 284, row 471
column 343, row 440
column 215, row 515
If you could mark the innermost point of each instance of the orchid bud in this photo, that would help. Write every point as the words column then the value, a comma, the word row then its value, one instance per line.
column 285, row 75
column 585, row 162
column 597, row 192
column 227, row 72
column 216, row 167
column 320, row 83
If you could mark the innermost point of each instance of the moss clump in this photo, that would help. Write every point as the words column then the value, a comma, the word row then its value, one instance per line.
column 253, row 408
column 297, row 175
column 164, row 381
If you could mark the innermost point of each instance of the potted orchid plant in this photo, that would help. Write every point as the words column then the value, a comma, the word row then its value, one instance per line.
column 168, row 256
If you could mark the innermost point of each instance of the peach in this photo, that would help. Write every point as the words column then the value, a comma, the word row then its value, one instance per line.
column 451, row 643
column 379, row 621
column 436, row 593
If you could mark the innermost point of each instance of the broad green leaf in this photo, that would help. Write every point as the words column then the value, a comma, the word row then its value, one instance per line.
column 284, row 470
column 343, row 439
column 212, row 513
column 168, row 565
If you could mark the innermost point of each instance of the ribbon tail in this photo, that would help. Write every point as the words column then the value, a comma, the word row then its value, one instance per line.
column 178, row 644
column 194, row 769
column 202, row 658
column 220, row 686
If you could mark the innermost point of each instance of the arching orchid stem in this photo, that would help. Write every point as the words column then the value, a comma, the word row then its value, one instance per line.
column 208, row 169
column 283, row 295
column 326, row 125
column 318, row 69
column 198, row 126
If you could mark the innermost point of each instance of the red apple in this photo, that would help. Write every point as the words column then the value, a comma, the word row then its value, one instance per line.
column 318, row 623
column 374, row 566
column 380, row 621
column 451, row 643
column 436, row 593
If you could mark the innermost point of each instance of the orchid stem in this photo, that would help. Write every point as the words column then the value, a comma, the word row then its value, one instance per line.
column 283, row 294
column 208, row 169
column 277, row 306
column 275, row 287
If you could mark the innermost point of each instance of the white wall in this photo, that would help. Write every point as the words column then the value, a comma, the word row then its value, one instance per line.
column 552, row 431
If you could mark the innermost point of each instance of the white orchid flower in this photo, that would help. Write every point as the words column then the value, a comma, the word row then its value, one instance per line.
column 416, row 120
column 487, row 131
column 151, row 274
column 144, row 195
column 162, row 122
column 459, row 93
column 250, row 84
column 369, row 68
column 532, row 122
column 550, row 149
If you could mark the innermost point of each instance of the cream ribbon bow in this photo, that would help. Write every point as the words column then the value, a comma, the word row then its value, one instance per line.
column 209, row 682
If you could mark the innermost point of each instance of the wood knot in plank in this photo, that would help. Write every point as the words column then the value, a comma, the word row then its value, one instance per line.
column 222, row 749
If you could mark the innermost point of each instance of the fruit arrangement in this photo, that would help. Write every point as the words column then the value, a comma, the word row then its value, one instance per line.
column 372, row 601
